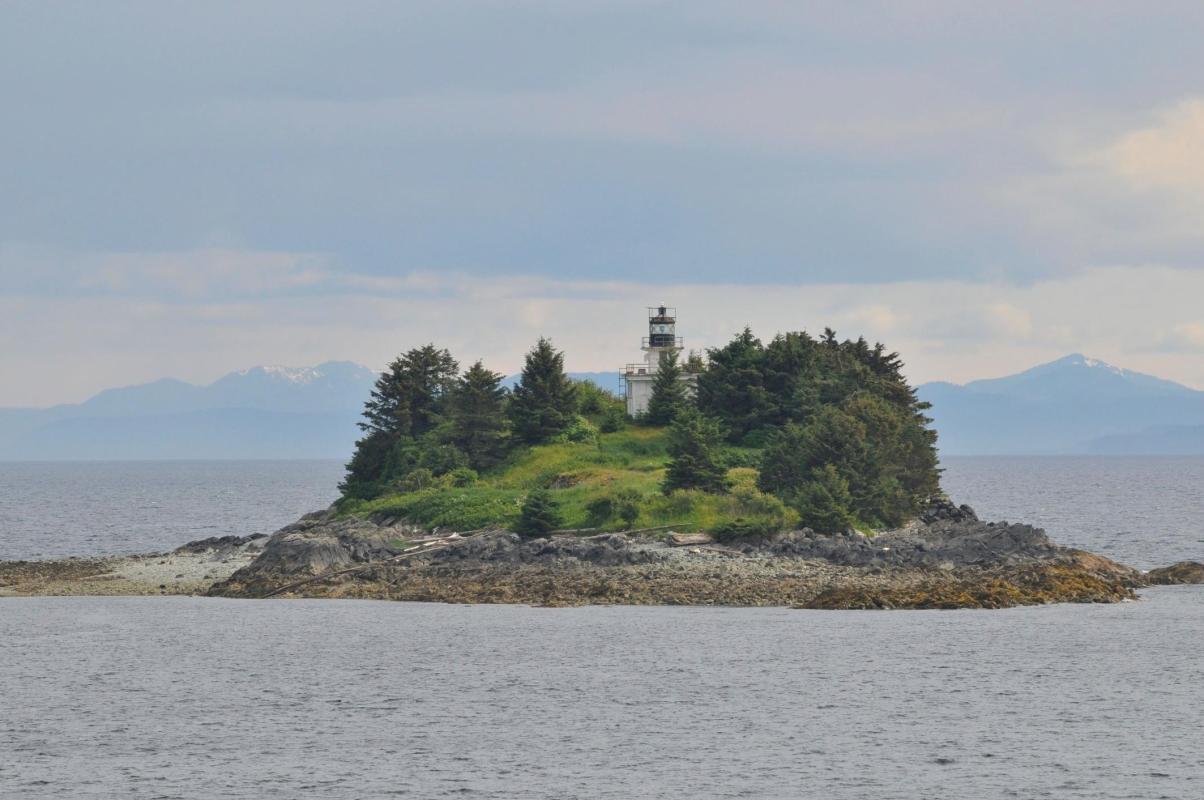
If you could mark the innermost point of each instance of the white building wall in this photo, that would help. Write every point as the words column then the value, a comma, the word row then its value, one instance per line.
column 639, row 391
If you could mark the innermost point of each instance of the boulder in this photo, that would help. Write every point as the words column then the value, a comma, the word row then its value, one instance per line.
column 941, row 509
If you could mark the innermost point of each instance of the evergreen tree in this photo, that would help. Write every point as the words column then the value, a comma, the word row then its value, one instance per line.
column 824, row 501
column 367, row 465
column 477, row 417
column 669, row 393
column 408, row 396
column 540, row 514
column 732, row 387
column 544, row 403
column 406, row 403
column 694, row 440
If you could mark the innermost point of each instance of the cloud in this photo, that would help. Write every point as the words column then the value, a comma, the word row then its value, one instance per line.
column 1165, row 155
column 832, row 143
column 196, row 188
column 1185, row 337
column 77, row 343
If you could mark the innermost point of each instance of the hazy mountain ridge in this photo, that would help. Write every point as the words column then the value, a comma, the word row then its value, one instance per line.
column 263, row 412
column 1072, row 405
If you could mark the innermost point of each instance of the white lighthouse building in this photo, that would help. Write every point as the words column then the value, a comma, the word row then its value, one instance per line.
column 662, row 338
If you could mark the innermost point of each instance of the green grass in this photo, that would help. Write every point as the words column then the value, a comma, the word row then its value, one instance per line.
column 631, row 460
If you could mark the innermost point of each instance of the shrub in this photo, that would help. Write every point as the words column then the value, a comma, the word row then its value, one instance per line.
column 461, row 477
column 599, row 511
column 628, row 506
column 742, row 527
column 416, row 480
column 579, row 430
column 624, row 504
column 614, row 419
column 540, row 514
column 680, row 504
column 755, row 514
column 592, row 399
column 741, row 477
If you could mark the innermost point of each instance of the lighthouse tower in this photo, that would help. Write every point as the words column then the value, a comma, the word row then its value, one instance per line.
column 662, row 338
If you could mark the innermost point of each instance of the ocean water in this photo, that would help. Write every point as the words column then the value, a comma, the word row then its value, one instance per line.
column 203, row 698
column 1142, row 511
column 193, row 697
column 57, row 509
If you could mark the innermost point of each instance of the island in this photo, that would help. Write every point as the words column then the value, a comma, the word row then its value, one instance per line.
column 799, row 472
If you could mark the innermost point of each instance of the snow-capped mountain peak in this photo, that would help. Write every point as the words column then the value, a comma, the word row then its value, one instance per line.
column 1079, row 360
column 298, row 375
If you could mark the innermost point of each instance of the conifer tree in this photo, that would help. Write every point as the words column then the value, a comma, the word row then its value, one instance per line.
column 540, row 514
column 694, row 440
column 669, row 393
column 408, row 396
column 732, row 387
column 478, row 419
column 406, row 402
column 824, row 501
column 544, row 402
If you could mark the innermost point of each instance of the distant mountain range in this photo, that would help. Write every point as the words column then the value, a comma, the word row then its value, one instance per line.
column 1073, row 405
column 264, row 412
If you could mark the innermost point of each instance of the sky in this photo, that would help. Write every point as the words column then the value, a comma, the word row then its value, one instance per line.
column 192, row 188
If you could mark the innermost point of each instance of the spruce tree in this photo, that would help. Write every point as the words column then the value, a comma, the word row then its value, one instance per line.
column 478, row 419
column 824, row 501
column 544, row 402
column 368, row 464
column 694, row 440
column 669, row 393
column 408, row 396
column 732, row 387
column 406, row 403
column 540, row 514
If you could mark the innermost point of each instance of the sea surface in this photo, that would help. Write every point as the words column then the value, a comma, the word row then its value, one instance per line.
column 57, row 509
column 1143, row 511
column 205, row 698
column 173, row 697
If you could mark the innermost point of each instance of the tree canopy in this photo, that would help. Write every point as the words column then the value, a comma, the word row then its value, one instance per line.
column 694, row 440
column 819, row 403
column 478, row 425
column 829, row 428
column 669, row 393
column 544, row 402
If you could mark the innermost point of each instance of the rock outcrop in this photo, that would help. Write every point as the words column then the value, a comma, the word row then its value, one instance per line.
column 317, row 543
column 1182, row 573
column 954, row 561
column 941, row 509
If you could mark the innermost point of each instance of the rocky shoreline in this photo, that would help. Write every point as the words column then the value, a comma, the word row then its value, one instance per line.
column 188, row 570
column 949, row 559
column 953, row 561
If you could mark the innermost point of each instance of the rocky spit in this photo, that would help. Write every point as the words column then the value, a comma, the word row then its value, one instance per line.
column 191, row 569
column 947, row 559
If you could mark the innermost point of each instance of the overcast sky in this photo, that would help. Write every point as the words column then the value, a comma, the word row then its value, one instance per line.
column 191, row 188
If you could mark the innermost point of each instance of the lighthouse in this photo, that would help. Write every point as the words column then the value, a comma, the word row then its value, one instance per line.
column 662, row 338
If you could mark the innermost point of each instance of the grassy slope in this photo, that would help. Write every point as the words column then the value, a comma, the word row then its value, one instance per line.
column 633, row 459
